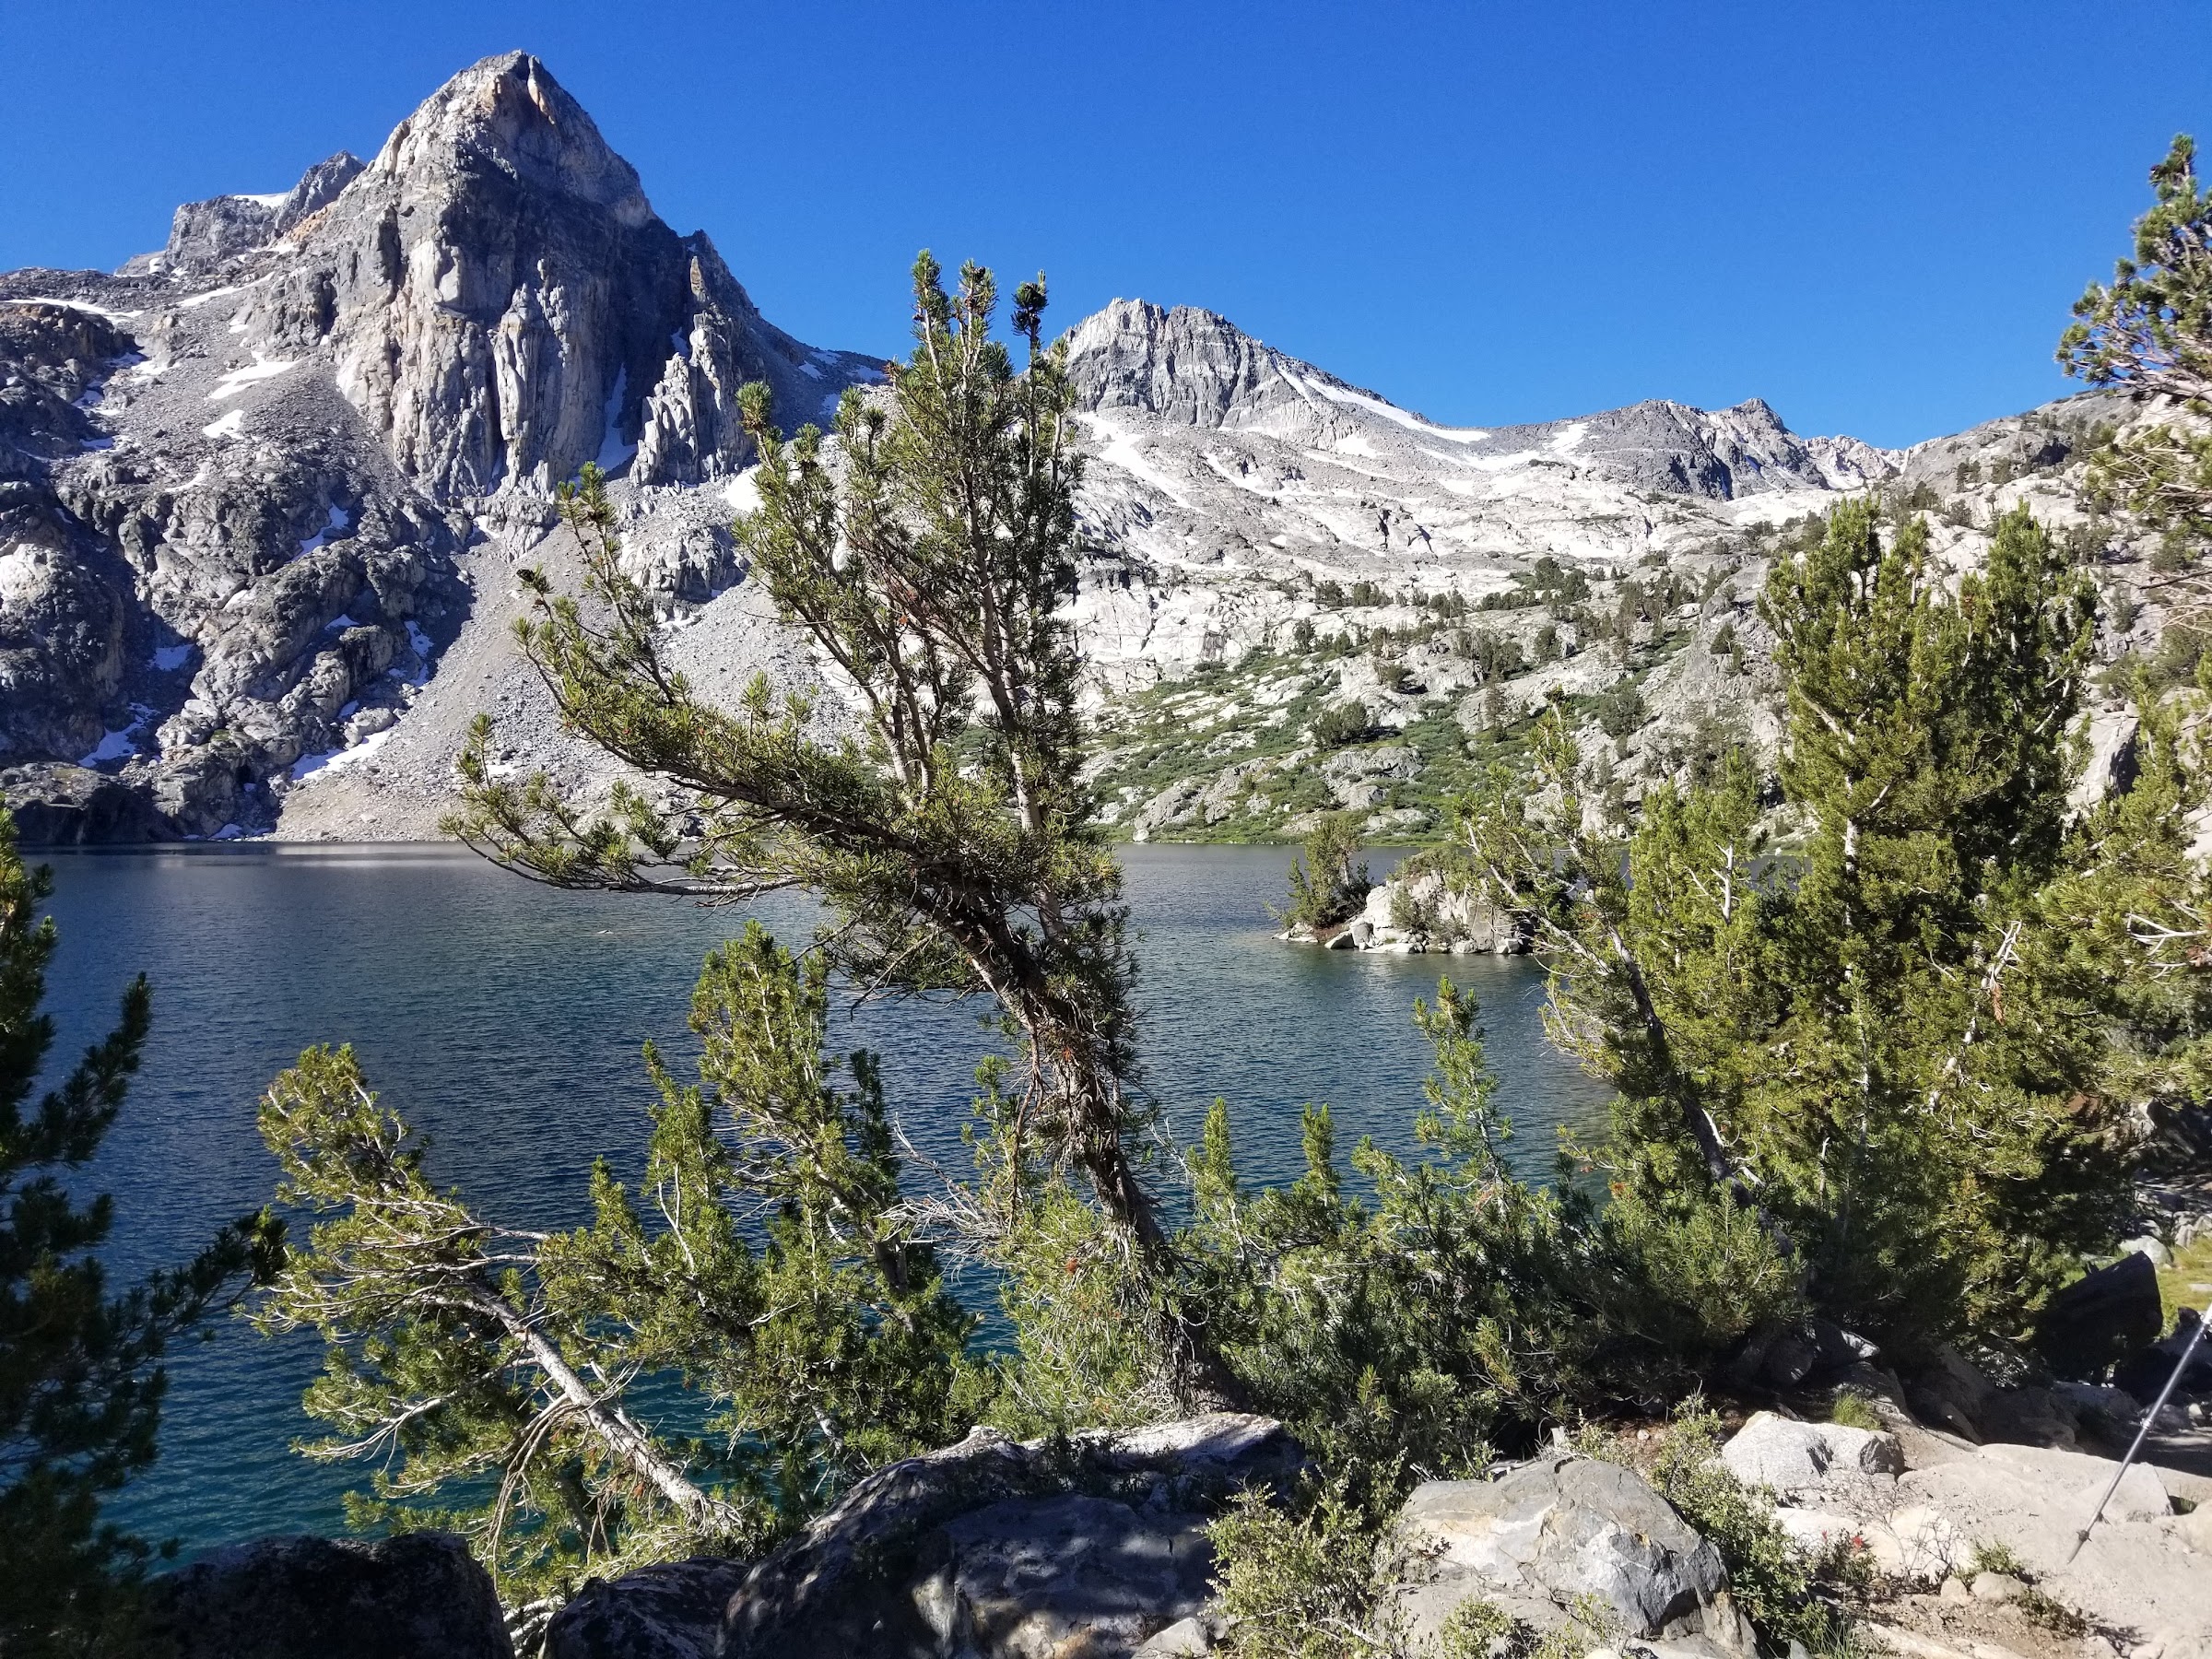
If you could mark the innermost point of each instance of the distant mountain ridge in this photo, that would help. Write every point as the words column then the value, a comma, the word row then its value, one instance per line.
column 263, row 491
column 1195, row 367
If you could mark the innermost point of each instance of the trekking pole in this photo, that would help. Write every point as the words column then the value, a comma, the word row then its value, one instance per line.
column 2142, row 1434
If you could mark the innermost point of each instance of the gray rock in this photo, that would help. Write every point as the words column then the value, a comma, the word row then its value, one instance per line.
column 65, row 600
column 2150, row 1247
column 998, row 1549
column 1922, row 1447
column 2102, row 1317
column 1190, row 1637
column 205, row 235
column 1950, row 1391
column 1798, row 1460
column 1025, row 1576
column 419, row 1595
column 55, row 806
column 1997, row 1587
column 1425, row 911
column 2030, row 1415
column 2115, row 1403
column 1553, row 1530
column 1789, row 1359
column 671, row 1611
column 2134, row 1573
column 1379, row 760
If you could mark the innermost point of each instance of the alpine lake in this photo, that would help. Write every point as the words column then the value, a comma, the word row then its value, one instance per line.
column 504, row 1020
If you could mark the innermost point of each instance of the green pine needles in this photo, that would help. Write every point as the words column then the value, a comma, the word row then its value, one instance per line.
column 1903, row 1042
column 2148, row 332
column 1328, row 880
column 953, row 836
column 715, row 1357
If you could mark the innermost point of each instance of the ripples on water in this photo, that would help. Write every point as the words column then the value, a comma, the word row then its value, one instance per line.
column 505, row 1020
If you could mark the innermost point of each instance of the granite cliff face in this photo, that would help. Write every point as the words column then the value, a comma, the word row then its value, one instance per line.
column 205, row 234
column 501, row 304
column 246, row 482
column 263, row 494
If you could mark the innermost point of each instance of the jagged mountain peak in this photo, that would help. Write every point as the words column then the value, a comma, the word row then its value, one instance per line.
column 508, row 114
column 249, row 469
column 1191, row 368
column 500, row 300
column 203, row 235
column 1195, row 367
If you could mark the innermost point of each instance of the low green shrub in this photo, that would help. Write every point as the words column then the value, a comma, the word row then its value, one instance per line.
column 1309, row 1581
column 1789, row 1595
column 1854, row 1410
column 1341, row 724
column 1996, row 1557
column 1621, row 711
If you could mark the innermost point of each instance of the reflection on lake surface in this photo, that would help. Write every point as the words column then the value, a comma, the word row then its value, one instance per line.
column 505, row 1020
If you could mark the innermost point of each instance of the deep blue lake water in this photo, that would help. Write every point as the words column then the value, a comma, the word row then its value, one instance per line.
column 505, row 1020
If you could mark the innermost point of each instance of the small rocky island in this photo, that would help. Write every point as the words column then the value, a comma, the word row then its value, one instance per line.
column 1420, row 910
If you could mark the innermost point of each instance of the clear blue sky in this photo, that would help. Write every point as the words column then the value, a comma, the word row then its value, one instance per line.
column 1873, row 214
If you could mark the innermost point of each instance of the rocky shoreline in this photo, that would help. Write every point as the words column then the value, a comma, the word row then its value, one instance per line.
column 1098, row 1546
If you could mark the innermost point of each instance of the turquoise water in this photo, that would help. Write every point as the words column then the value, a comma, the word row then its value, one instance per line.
column 505, row 1020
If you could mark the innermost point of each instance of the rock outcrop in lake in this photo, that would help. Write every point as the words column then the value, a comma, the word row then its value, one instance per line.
column 1422, row 909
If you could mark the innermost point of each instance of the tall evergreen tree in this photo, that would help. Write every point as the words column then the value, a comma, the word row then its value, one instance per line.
column 1909, row 1046
column 928, row 556
column 2148, row 332
column 81, row 1377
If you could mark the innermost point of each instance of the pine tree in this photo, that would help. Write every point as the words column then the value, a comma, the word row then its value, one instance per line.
column 81, row 1378
column 2148, row 332
column 711, row 1361
column 954, row 841
column 1328, row 884
column 1909, row 1046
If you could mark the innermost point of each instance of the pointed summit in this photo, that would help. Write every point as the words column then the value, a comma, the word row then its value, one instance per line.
column 506, row 117
column 502, row 304
column 1197, row 368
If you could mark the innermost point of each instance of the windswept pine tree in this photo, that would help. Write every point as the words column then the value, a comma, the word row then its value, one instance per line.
column 2148, row 332
column 928, row 557
column 714, row 1358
